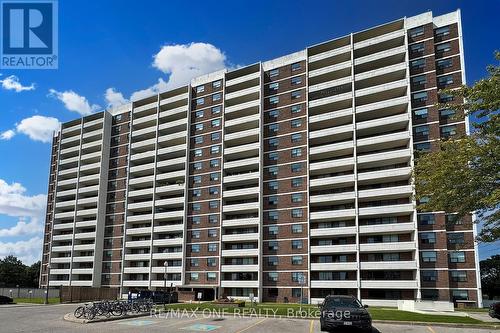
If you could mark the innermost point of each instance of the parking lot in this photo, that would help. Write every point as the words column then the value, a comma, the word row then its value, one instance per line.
column 49, row 319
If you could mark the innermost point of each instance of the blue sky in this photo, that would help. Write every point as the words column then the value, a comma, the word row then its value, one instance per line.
column 117, row 44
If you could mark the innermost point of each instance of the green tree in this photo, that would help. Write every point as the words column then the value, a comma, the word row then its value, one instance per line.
column 463, row 175
column 490, row 276
column 12, row 271
column 32, row 275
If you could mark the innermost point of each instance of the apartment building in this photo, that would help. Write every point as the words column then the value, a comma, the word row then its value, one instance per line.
column 283, row 177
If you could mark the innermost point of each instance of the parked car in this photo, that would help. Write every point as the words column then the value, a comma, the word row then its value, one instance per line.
column 5, row 300
column 344, row 311
column 494, row 311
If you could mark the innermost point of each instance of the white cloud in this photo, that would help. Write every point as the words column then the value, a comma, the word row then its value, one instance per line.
column 23, row 228
column 38, row 128
column 114, row 98
column 28, row 251
column 7, row 135
column 12, row 83
column 15, row 202
column 74, row 102
column 154, row 89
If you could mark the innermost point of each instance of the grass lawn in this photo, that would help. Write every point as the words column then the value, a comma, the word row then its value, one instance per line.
column 378, row 313
column 36, row 300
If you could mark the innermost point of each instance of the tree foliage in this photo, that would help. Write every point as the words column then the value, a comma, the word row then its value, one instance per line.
column 490, row 276
column 463, row 175
column 13, row 272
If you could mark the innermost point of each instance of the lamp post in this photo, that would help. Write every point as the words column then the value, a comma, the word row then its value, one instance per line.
column 47, row 286
column 165, row 264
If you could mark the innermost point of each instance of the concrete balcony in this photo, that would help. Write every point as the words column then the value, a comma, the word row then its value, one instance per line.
column 89, row 178
column 242, row 92
column 86, row 212
column 57, row 283
column 242, row 162
column 161, row 283
column 174, row 126
column 242, row 149
column 387, row 228
column 240, row 222
column 242, row 106
column 241, row 177
column 66, row 193
column 244, row 207
column 243, row 78
column 140, row 193
column 180, row 161
column 135, row 270
column 135, row 283
column 333, row 214
column 386, row 104
column 88, row 189
column 388, row 265
column 140, row 206
column 59, row 271
column 93, row 166
column 71, row 129
column 393, row 157
column 331, row 116
column 64, row 215
column 62, row 237
column 169, row 215
column 84, row 201
column 84, row 247
column 334, row 149
column 139, row 169
column 168, row 228
column 92, row 134
column 336, row 180
column 380, row 55
column 400, row 119
column 92, row 144
column 381, row 71
column 240, row 237
column 387, row 192
column 330, row 84
column 63, row 226
column 317, row 249
column 171, row 137
column 241, row 192
column 330, row 99
column 240, row 253
column 82, row 270
column 135, row 257
column 169, row 269
column 85, row 235
column 65, row 248
column 247, row 120
column 83, row 259
column 239, row 284
column 387, row 210
column 142, row 156
column 69, row 160
column 86, row 224
column 71, row 141
column 138, row 231
column 63, row 204
column 170, row 112
column 384, row 141
column 389, row 175
column 379, row 39
column 139, row 218
column 321, row 232
column 329, row 69
column 330, row 53
column 151, row 119
column 381, row 88
column 144, row 143
column 149, row 106
column 333, row 165
column 331, row 132
column 389, row 284
column 241, row 135
column 168, row 255
column 332, row 198
column 387, row 247
column 239, row 268
column 142, row 243
column 71, row 181
column 175, row 98
column 176, row 188
column 171, row 175
column 172, row 149
column 168, row 241
column 334, row 266
column 93, row 122
column 148, row 130
column 334, row 284
column 71, row 171
column 60, row 260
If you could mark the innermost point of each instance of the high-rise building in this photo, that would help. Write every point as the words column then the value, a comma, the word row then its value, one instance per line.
column 286, row 176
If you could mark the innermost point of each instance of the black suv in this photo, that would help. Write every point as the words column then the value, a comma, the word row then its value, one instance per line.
column 494, row 311
column 344, row 311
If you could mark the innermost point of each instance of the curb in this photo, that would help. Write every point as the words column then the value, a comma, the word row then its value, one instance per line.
column 71, row 318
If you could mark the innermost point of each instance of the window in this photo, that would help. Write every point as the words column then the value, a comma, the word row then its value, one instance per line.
column 445, row 98
column 199, row 114
column 423, row 147
column 215, row 136
column 419, row 80
column 200, row 89
column 194, row 262
column 297, row 197
column 296, row 152
column 458, row 276
column 272, row 230
column 296, row 66
column 216, row 84
column 444, row 63
column 198, row 139
column 198, row 127
column 216, row 109
column 211, row 276
column 429, row 276
column 460, row 295
column 446, row 114
column 273, row 114
column 418, row 64
column 296, row 182
column 274, row 86
column 273, row 128
column 211, row 262
column 296, row 137
column 272, row 185
column 296, row 228
column 213, row 190
column 296, row 167
column 273, row 156
column 445, row 80
column 452, row 219
column 426, row 219
column 212, row 247
column 457, row 256
column 214, row 176
column 456, row 238
column 274, row 72
column 297, row 260
column 213, row 219
column 196, row 219
column 196, row 179
column 212, row 233
column 200, row 101
column 296, row 243
column 214, row 163
column 274, row 100
column 214, row 150
column 430, row 294
column 429, row 256
column 213, row 204
column 297, row 212
column 198, row 152
column 296, row 292
column 428, row 237
column 216, row 97
column 422, row 130
column 197, row 166
column 296, row 108
column 272, row 276
column 215, row 123
column 417, row 48
column 194, row 276
column 441, row 48
column 441, row 32
column 195, row 248
column 296, row 80
column 196, row 193
column 273, row 142
column 272, row 246
column 418, row 31
column 420, row 97
column 272, row 261
column 196, row 207
column 272, row 215
column 272, row 171
column 296, row 94
column 447, row 131
column 296, row 123
column 272, row 200
column 420, row 113
column 297, row 276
